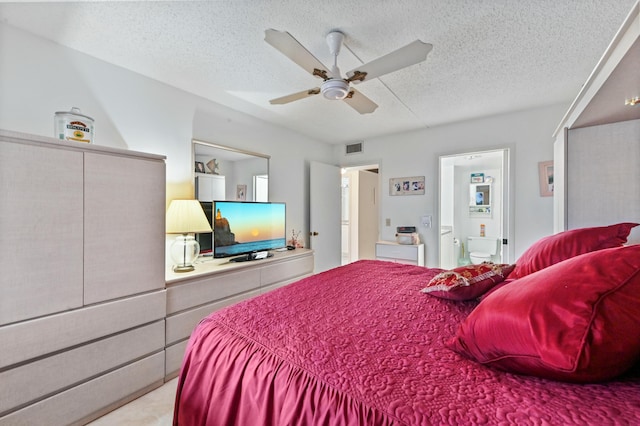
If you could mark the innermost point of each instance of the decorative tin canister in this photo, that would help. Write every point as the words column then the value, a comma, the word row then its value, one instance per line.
column 73, row 126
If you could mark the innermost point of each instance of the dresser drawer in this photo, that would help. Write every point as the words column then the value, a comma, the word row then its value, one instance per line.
column 407, row 252
column 401, row 253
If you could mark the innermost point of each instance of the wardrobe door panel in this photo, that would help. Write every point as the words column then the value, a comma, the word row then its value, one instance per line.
column 41, row 229
column 124, row 226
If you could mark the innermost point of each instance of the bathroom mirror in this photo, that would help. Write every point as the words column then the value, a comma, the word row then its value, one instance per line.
column 225, row 173
column 480, row 199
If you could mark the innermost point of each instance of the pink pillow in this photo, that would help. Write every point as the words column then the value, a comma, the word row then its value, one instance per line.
column 577, row 321
column 565, row 245
column 467, row 282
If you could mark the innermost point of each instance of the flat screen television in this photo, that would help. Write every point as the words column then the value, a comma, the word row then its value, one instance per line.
column 242, row 227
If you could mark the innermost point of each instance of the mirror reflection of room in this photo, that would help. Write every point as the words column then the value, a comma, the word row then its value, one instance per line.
column 480, row 199
column 481, row 195
column 224, row 173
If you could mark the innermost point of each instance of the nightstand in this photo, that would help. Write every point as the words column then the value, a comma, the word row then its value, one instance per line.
column 412, row 254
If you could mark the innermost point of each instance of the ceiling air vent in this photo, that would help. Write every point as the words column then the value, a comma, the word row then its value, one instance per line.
column 353, row 148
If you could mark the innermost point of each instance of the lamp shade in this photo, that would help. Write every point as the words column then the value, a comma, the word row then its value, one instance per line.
column 185, row 217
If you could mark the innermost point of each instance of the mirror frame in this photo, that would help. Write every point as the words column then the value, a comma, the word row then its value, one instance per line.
column 195, row 142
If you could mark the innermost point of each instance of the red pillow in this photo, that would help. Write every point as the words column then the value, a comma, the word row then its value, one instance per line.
column 565, row 245
column 577, row 321
column 467, row 282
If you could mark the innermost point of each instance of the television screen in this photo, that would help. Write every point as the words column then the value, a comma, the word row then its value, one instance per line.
column 241, row 227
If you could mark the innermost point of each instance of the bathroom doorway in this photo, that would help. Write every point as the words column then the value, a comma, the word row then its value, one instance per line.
column 475, row 201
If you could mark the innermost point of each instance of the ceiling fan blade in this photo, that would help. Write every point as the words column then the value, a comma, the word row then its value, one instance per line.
column 292, row 49
column 360, row 102
column 295, row 96
column 411, row 54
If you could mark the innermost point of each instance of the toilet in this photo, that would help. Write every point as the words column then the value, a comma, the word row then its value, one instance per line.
column 481, row 249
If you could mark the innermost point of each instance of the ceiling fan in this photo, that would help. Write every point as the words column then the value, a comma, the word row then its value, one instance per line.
column 334, row 86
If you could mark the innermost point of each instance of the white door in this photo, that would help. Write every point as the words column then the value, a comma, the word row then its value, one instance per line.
column 261, row 188
column 367, row 214
column 325, row 215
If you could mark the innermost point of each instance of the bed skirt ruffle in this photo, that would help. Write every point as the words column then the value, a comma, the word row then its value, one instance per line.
column 253, row 386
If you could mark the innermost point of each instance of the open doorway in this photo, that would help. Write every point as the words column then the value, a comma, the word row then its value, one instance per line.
column 360, row 212
column 475, row 208
column 261, row 187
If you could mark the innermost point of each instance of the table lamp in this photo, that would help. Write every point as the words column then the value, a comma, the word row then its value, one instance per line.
column 185, row 217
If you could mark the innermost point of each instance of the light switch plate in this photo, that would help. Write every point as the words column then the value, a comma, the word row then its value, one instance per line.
column 426, row 221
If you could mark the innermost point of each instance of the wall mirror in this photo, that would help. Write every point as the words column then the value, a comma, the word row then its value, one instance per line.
column 480, row 199
column 224, row 173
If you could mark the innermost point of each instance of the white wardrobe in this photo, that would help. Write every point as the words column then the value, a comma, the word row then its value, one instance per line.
column 82, row 287
column 210, row 187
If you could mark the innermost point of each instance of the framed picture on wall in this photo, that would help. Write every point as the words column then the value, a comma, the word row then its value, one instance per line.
column 545, row 174
column 477, row 177
column 413, row 185
column 241, row 192
column 200, row 167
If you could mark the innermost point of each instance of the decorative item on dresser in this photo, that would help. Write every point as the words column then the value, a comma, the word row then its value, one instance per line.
column 185, row 217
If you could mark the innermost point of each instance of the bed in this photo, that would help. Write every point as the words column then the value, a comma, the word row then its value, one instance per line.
column 380, row 343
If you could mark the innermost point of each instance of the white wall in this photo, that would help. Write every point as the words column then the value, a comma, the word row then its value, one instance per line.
column 244, row 171
column 38, row 78
column 527, row 133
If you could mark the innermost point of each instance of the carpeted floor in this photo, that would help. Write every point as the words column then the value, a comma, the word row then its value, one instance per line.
column 152, row 409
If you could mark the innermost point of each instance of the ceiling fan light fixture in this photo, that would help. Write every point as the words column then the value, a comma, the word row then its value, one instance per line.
column 335, row 89
column 632, row 101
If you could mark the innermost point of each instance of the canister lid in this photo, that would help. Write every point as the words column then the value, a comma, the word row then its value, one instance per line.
column 74, row 111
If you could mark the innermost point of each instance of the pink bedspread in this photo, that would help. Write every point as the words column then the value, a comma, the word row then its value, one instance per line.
column 360, row 345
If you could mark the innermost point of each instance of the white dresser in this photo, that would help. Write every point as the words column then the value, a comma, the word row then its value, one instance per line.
column 412, row 254
column 217, row 283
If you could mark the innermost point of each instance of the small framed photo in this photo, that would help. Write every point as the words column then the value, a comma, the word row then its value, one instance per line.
column 413, row 185
column 200, row 167
column 477, row 177
column 241, row 192
column 545, row 174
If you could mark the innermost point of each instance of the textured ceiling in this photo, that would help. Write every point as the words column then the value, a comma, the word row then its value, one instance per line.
column 488, row 57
